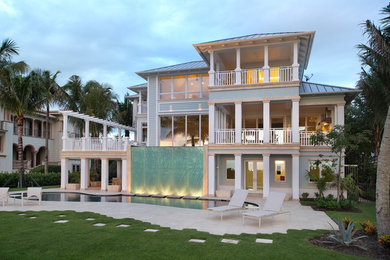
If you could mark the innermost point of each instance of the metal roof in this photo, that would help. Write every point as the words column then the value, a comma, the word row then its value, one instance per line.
column 182, row 66
column 143, row 85
column 251, row 36
column 309, row 88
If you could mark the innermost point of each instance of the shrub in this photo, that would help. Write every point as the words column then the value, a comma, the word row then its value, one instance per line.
column 385, row 240
column 51, row 168
column 330, row 197
column 344, row 235
column 346, row 221
column 305, row 195
column 94, row 176
column 32, row 179
column 74, row 177
column 368, row 228
column 316, row 194
column 326, row 203
column 347, row 204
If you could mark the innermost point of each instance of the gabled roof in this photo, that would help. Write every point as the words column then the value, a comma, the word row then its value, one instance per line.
column 192, row 65
column 252, row 36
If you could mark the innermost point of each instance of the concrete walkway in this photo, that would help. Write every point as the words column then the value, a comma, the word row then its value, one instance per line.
column 301, row 217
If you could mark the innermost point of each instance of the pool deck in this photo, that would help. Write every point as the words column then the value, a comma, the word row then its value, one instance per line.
column 300, row 217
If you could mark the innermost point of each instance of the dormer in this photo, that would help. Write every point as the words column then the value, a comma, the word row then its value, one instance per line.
column 257, row 59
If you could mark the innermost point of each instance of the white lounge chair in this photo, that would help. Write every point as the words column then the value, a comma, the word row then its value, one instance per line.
column 33, row 194
column 271, row 208
column 4, row 195
column 235, row 203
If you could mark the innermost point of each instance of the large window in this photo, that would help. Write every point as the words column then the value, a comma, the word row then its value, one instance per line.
column 280, row 171
column 230, row 169
column 184, row 87
column 184, row 130
column 318, row 167
column 144, row 132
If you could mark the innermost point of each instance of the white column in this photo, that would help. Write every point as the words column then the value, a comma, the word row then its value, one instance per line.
column 86, row 143
column 104, row 137
column 238, row 121
column 83, row 174
column 64, row 172
column 266, row 174
column 266, row 120
column 104, row 176
column 237, row 170
column 295, row 121
column 295, row 176
column 295, row 65
column 118, row 169
column 139, row 102
column 211, row 71
column 238, row 66
column 86, row 131
column 64, row 132
column 266, row 67
column 211, row 175
column 125, row 177
column 340, row 114
column 211, row 123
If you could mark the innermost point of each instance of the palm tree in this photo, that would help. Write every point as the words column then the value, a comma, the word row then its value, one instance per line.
column 20, row 95
column 8, row 49
column 123, row 114
column 52, row 93
column 376, row 57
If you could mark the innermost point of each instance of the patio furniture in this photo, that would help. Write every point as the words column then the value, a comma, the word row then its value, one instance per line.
column 33, row 194
column 271, row 208
column 235, row 203
column 4, row 195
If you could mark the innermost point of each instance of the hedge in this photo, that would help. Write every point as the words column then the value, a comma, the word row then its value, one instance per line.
column 51, row 168
column 11, row 179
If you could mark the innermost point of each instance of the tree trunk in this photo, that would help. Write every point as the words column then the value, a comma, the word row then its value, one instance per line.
column 383, row 181
column 47, row 138
column 21, row 183
column 338, row 178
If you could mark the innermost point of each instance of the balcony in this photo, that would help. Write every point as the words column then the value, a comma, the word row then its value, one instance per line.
column 96, row 144
column 142, row 108
column 256, row 136
column 253, row 76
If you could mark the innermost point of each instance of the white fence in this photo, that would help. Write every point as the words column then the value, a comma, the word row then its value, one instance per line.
column 252, row 136
column 96, row 144
column 280, row 136
column 225, row 136
column 225, row 78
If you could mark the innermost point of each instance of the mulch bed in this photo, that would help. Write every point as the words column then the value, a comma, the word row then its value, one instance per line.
column 374, row 248
column 353, row 210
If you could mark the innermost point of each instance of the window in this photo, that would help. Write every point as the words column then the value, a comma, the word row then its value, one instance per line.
column 191, row 86
column 75, row 167
column 280, row 171
column 318, row 167
column 144, row 132
column 274, row 75
column 230, row 169
column 184, row 130
column 1, row 144
column 38, row 128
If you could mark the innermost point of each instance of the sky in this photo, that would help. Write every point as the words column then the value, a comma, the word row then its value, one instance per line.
column 108, row 41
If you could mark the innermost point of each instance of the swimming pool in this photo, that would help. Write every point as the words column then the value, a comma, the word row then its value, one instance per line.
column 179, row 203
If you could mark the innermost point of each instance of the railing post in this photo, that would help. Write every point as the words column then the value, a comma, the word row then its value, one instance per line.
column 238, row 66
column 266, row 67
column 211, row 71
column 211, row 122
column 238, row 121
column 65, row 132
column 295, row 120
column 295, row 65
column 266, row 120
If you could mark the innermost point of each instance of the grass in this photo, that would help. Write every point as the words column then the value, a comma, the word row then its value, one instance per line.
column 368, row 213
column 43, row 187
column 40, row 238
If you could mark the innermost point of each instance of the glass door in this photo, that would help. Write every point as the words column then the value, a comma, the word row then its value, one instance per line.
column 253, row 175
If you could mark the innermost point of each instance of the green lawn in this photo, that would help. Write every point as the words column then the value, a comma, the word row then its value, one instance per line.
column 43, row 187
column 368, row 213
column 40, row 238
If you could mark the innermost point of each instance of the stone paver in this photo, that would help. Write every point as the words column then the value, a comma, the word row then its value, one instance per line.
column 89, row 219
column 264, row 241
column 21, row 214
column 123, row 225
column 229, row 241
column 151, row 230
column 33, row 217
column 194, row 240
column 61, row 216
column 61, row 221
column 99, row 224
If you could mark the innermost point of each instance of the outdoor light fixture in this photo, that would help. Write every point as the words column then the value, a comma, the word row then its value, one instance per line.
column 200, row 107
column 170, row 108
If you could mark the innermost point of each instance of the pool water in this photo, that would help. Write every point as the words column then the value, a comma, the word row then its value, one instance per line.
column 179, row 203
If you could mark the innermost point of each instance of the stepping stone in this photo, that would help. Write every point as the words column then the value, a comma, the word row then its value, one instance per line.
column 194, row 240
column 151, row 230
column 33, row 217
column 174, row 197
column 123, row 225
column 158, row 196
column 89, row 219
column 61, row 216
column 264, row 241
column 191, row 197
column 229, row 241
column 99, row 224
column 61, row 221
column 142, row 195
column 21, row 214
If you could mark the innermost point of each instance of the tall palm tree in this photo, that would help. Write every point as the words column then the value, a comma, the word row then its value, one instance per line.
column 20, row 95
column 8, row 49
column 123, row 114
column 375, row 58
column 52, row 94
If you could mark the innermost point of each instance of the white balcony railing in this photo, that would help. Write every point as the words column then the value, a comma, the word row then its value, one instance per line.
column 280, row 136
column 254, row 76
column 225, row 136
column 96, row 144
column 252, row 136
column 305, row 137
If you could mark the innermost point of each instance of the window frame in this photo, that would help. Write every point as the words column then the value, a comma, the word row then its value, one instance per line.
column 202, row 92
column 234, row 167
column 275, row 172
column 320, row 166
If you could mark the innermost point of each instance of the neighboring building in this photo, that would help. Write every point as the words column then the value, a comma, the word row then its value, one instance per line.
column 247, row 101
column 33, row 141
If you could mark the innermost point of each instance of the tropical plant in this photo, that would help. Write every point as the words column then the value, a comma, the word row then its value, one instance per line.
column 385, row 240
column 346, row 221
column 368, row 228
column 321, row 179
column 375, row 57
column 8, row 49
column 52, row 93
column 305, row 195
column 349, row 184
column 123, row 114
column 20, row 96
column 344, row 235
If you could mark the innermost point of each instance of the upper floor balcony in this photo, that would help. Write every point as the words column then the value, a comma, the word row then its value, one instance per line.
column 96, row 144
